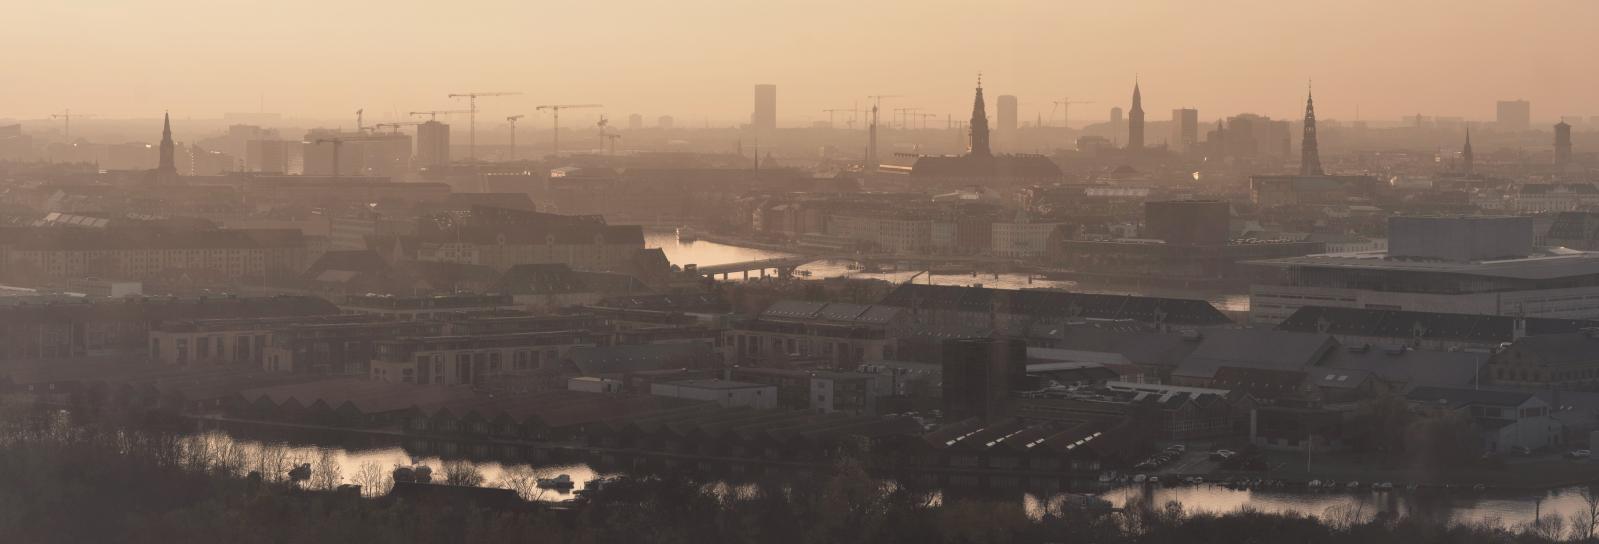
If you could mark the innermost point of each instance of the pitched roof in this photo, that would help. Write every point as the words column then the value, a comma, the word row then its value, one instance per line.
column 1485, row 329
column 1456, row 398
column 1041, row 303
column 1562, row 349
column 1256, row 349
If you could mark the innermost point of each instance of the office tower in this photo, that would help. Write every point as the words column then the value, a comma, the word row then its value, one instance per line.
column 266, row 156
column 664, row 121
column 1515, row 114
column 1184, row 129
column 1135, row 121
column 1562, row 145
column 635, row 122
column 765, row 107
column 1309, row 155
column 1006, row 104
column 432, row 144
column 1116, row 115
column 978, row 376
column 979, row 141
column 1467, row 163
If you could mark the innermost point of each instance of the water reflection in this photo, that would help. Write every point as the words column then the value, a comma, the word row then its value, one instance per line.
column 706, row 253
column 1506, row 509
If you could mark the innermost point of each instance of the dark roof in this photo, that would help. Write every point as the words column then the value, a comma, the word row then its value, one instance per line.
column 1254, row 348
column 592, row 361
column 1487, row 329
column 1040, row 303
column 1030, row 167
column 678, row 302
column 47, row 238
column 1460, row 397
column 1562, row 349
column 525, row 279
column 157, row 309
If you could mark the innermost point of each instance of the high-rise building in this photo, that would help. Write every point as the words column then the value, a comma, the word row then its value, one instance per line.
column 1184, row 129
column 1006, row 103
column 979, row 374
column 433, row 145
column 1514, row 114
column 1309, row 152
column 635, row 122
column 266, row 156
column 1116, row 115
column 979, row 132
column 765, row 107
column 1467, row 161
column 664, row 122
column 1562, row 145
column 1135, row 121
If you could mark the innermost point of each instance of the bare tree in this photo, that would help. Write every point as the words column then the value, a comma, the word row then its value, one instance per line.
column 1548, row 528
column 522, row 480
column 373, row 479
column 462, row 473
column 1585, row 522
column 326, row 471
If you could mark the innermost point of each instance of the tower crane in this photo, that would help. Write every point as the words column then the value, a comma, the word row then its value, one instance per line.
column 613, row 138
column 831, row 111
column 1065, row 105
column 433, row 115
column 66, row 116
column 925, row 117
column 338, row 142
column 471, row 138
column 394, row 128
column 556, row 110
column 904, row 115
column 512, row 120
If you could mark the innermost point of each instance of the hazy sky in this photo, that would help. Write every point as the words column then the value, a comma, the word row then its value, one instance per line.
column 699, row 58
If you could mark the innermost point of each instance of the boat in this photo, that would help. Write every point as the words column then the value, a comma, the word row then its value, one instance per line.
column 1154, row 480
column 424, row 474
column 1314, row 484
column 1140, row 479
column 686, row 234
column 1353, row 485
column 559, row 482
column 1383, row 486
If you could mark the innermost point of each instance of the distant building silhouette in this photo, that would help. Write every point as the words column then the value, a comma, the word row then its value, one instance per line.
column 664, row 122
column 166, row 171
column 1135, row 121
column 433, row 144
column 765, row 117
column 1006, row 104
column 979, row 132
column 635, row 122
column 1514, row 114
column 1562, row 145
column 1467, row 162
column 1184, row 129
column 1309, row 155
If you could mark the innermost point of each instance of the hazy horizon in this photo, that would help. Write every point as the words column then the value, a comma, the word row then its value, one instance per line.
column 698, row 60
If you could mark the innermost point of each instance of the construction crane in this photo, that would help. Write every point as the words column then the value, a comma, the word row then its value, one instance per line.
column 471, row 138
column 67, row 116
column 612, row 138
column 1065, row 105
column 434, row 114
column 338, row 142
column 925, row 116
column 556, row 110
column 394, row 128
column 831, row 111
column 904, row 115
column 512, row 120
column 360, row 120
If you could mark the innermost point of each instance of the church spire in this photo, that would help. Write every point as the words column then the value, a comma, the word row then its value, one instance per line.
column 978, row 146
column 1309, row 155
column 1465, row 155
column 1135, row 120
column 167, row 169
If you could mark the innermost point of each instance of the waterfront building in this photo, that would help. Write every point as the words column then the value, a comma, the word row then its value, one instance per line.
column 1463, row 265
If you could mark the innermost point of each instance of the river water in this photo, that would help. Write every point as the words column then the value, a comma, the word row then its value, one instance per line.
column 1500, row 508
column 705, row 253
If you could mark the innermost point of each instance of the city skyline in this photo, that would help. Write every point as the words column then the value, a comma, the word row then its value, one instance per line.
column 699, row 59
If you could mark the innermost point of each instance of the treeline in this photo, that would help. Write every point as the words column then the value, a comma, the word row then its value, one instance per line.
column 66, row 482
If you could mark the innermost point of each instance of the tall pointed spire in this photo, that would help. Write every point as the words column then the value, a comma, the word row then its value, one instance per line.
column 1466, row 157
column 1309, row 155
column 1135, row 120
column 978, row 146
column 167, row 169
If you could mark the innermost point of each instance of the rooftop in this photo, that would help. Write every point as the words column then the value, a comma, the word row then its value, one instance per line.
column 1547, row 263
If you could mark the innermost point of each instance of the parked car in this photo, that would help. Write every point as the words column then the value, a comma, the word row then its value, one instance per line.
column 1579, row 454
